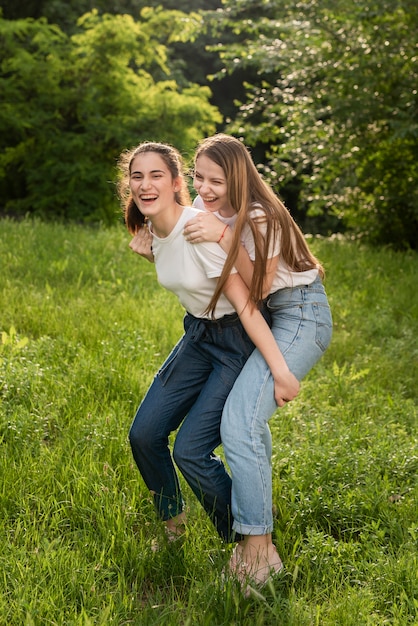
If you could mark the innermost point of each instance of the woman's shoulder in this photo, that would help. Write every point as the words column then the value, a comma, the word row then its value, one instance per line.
column 257, row 212
column 188, row 213
column 191, row 210
column 198, row 203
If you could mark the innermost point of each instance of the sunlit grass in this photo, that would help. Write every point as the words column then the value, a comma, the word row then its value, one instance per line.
column 84, row 326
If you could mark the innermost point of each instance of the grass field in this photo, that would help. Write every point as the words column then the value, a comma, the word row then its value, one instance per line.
column 84, row 326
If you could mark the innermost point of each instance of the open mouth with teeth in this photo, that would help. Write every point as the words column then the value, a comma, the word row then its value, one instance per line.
column 148, row 199
column 209, row 200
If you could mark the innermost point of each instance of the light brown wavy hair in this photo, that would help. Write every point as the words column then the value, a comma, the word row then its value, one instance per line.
column 247, row 191
column 133, row 217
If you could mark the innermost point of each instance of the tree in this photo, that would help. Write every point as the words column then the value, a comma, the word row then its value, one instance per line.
column 335, row 104
column 65, row 14
column 72, row 104
column 188, row 61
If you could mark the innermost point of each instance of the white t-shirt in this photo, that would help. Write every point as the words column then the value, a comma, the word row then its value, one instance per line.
column 284, row 276
column 190, row 270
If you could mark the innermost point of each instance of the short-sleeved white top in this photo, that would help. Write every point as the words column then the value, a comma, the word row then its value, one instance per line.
column 190, row 270
column 284, row 276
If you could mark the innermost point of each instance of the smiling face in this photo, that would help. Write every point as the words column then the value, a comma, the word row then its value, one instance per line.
column 152, row 185
column 210, row 183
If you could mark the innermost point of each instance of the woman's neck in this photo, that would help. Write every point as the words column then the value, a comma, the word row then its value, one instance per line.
column 163, row 224
column 227, row 212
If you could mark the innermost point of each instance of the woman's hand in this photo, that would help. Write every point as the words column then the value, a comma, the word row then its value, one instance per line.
column 286, row 388
column 204, row 227
column 141, row 243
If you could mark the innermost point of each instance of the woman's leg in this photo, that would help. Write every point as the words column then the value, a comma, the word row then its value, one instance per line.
column 227, row 348
column 247, row 444
column 302, row 327
column 195, row 380
column 194, row 454
column 168, row 400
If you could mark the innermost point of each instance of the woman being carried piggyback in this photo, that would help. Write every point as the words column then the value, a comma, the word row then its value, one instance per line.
column 271, row 255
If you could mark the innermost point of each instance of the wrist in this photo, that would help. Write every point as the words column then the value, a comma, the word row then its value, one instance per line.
column 279, row 373
column 226, row 240
column 223, row 233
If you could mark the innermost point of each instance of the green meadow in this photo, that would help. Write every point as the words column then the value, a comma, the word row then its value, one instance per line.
column 84, row 326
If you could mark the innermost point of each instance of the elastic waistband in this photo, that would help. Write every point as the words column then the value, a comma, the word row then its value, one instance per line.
column 226, row 320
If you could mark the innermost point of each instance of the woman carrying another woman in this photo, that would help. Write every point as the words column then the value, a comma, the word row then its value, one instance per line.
column 271, row 255
column 189, row 391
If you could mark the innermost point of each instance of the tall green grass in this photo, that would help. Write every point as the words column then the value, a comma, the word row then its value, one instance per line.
column 84, row 326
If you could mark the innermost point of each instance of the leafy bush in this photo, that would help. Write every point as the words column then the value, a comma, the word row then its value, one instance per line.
column 334, row 106
column 73, row 103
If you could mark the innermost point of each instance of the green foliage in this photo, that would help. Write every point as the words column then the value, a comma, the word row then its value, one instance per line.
column 336, row 106
column 72, row 104
column 323, row 91
column 84, row 327
column 65, row 14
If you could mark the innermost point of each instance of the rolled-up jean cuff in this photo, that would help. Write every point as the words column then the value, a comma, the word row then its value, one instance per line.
column 244, row 529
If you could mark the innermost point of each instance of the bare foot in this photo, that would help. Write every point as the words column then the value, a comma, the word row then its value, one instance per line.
column 254, row 568
column 174, row 531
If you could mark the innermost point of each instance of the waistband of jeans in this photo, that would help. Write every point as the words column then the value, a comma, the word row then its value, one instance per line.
column 226, row 320
column 315, row 283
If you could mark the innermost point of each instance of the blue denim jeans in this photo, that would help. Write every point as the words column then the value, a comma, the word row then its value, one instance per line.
column 189, row 393
column 302, row 326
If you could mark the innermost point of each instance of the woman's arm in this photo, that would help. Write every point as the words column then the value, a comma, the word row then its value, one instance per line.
column 208, row 227
column 286, row 385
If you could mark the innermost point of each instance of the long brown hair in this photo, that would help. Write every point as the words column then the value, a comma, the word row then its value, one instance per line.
column 248, row 191
column 134, row 218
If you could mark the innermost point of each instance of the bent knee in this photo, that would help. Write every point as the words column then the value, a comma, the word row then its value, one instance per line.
column 134, row 438
column 143, row 439
column 180, row 454
column 184, row 454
